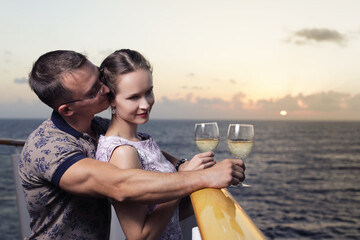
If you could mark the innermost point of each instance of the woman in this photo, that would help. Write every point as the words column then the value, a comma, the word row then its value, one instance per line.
column 129, row 77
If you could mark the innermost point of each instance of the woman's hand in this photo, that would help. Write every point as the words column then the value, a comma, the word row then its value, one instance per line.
column 198, row 162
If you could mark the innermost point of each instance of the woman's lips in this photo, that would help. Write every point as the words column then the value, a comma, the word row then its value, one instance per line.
column 145, row 114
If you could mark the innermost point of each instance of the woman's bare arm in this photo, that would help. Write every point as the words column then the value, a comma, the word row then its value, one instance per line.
column 134, row 218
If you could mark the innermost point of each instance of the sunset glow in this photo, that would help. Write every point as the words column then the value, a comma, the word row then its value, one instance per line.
column 211, row 59
column 283, row 113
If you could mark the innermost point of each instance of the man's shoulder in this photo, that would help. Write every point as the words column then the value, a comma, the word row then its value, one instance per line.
column 101, row 120
column 42, row 129
column 44, row 134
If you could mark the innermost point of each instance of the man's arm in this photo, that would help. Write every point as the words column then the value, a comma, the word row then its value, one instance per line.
column 95, row 178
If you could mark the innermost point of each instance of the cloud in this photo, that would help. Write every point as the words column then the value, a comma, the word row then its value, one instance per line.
column 327, row 101
column 354, row 103
column 329, row 105
column 191, row 87
column 232, row 81
column 200, row 108
column 238, row 99
column 323, row 105
column 7, row 56
column 323, row 102
column 211, row 101
column 22, row 80
column 288, row 103
column 310, row 35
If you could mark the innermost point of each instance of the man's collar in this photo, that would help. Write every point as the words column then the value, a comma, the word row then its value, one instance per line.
column 60, row 123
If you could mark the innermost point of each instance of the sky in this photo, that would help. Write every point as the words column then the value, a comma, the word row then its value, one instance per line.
column 212, row 59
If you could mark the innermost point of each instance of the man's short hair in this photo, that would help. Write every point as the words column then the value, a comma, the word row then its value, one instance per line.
column 45, row 78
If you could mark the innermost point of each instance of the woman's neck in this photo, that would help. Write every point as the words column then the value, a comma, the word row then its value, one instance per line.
column 122, row 128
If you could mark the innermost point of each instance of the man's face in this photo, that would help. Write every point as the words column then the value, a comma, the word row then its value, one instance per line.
column 89, row 94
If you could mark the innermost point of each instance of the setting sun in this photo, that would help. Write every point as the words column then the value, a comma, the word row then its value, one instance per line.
column 283, row 113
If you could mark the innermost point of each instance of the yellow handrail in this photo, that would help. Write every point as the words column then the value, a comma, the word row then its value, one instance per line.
column 219, row 216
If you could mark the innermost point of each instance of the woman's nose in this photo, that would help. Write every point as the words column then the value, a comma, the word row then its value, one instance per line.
column 144, row 103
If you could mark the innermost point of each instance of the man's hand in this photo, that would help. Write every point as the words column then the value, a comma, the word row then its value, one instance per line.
column 225, row 173
column 198, row 162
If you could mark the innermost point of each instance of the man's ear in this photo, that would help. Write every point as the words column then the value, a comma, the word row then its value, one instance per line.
column 112, row 103
column 65, row 110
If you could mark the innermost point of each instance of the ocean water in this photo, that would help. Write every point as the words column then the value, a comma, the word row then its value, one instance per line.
column 304, row 176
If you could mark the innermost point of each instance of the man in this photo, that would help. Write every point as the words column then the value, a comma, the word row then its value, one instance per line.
column 66, row 190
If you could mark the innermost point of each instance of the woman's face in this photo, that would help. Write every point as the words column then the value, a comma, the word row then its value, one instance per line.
column 134, row 96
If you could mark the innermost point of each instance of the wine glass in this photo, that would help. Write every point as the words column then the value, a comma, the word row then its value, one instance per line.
column 207, row 136
column 240, row 141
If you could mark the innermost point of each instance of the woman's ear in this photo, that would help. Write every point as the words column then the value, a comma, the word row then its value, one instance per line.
column 65, row 110
column 112, row 106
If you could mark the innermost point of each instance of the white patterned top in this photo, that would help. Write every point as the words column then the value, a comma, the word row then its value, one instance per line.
column 151, row 159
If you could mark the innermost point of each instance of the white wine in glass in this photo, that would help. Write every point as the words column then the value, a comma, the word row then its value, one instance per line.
column 240, row 141
column 207, row 136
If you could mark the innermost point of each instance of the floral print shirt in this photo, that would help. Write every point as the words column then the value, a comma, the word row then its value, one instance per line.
column 151, row 159
column 54, row 213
